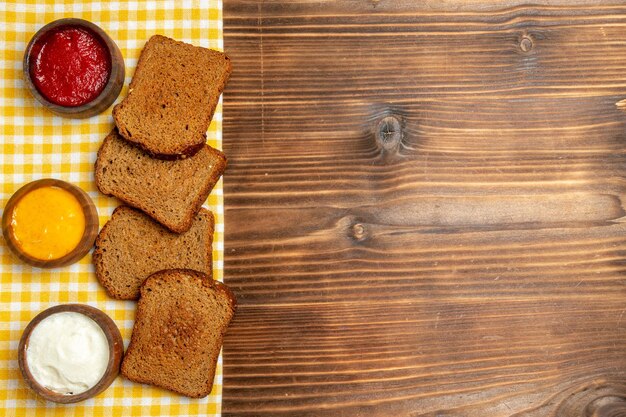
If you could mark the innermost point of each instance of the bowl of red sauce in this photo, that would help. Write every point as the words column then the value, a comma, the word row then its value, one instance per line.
column 73, row 68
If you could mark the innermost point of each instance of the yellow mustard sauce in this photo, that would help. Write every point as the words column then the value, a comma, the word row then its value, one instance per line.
column 48, row 223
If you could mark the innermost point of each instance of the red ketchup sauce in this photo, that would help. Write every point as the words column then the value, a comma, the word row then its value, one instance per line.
column 70, row 66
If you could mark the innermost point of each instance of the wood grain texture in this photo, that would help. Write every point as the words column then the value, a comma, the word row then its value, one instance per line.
column 424, row 208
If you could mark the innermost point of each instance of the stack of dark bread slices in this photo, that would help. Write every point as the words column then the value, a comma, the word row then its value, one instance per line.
column 158, row 247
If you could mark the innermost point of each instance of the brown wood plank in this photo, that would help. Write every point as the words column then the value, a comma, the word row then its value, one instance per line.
column 468, row 261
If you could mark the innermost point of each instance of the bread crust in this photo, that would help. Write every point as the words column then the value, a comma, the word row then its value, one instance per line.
column 146, row 205
column 134, row 353
column 127, row 286
column 138, row 135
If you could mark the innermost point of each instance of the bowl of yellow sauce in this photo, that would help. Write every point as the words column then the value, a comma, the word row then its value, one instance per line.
column 50, row 223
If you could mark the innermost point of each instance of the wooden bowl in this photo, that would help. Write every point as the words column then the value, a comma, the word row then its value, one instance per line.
column 86, row 242
column 110, row 92
column 116, row 351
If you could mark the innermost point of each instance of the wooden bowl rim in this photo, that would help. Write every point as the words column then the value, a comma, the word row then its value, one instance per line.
column 116, row 348
column 110, row 92
column 89, row 234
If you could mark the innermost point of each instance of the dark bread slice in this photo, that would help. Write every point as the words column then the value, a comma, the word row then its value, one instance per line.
column 182, row 316
column 171, row 192
column 172, row 97
column 131, row 247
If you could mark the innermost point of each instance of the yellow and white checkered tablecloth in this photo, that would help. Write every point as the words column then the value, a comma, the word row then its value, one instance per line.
column 37, row 144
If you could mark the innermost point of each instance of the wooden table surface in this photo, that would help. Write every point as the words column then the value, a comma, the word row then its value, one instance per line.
column 425, row 208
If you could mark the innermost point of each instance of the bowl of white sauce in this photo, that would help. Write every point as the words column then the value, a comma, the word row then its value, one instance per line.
column 70, row 352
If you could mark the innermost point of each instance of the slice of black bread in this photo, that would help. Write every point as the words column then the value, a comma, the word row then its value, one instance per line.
column 181, row 319
column 171, row 192
column 172, row 97
column 131, row 247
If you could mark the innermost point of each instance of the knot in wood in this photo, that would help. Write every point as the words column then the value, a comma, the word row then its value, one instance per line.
column 607, row 406
column 358, row 231
column 389, row 132
column 526, row 44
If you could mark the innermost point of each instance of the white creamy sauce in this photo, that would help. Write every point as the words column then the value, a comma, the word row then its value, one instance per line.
column 67, row 353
